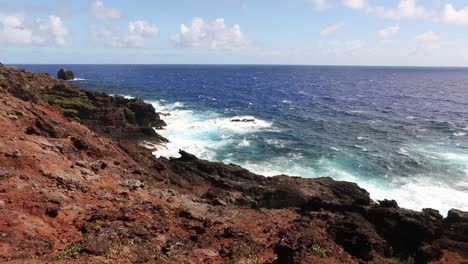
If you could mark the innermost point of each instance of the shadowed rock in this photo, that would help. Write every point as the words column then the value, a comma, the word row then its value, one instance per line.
column 64, row 74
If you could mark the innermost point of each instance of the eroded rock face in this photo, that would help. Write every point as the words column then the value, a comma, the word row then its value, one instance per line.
column 66, row 75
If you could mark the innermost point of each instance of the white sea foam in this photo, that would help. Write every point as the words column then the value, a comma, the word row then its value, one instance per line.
column 276, row 143
column 202, row 133
column 77, row 79
column 244, row 143
column 418, row 193
column 123, row 95
column 361, row 148
column 459, row 134
column 415, row 193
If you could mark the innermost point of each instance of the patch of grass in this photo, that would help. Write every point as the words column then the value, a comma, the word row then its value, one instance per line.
column 70, row 112
column 116, row 248
column 319, row 251
column 99, row 223
column 255, row 260
column 70, row 104
column 69, row 252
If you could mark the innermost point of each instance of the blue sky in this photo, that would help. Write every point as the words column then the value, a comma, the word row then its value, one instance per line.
column 317, row 32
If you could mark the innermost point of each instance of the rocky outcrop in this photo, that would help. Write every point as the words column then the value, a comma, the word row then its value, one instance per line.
column 76, row 187
column 122, row 118
column 66, row 75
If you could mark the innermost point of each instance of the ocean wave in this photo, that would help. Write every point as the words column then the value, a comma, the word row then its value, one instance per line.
column 459, row 134
column 123, row 95
column 418, row 193
column 244, row 143
column 217, row 137
column 415, row 193
column 203, row 133
column 77, row 79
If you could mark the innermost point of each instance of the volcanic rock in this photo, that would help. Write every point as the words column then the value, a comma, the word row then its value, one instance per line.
column 64, row 74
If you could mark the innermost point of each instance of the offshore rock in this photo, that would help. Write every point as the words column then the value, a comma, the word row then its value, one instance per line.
column 66, row 75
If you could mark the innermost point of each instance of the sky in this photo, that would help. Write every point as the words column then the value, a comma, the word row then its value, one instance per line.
column 311, row 32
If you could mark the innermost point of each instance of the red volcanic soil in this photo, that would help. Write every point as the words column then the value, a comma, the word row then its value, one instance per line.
column 77, row 187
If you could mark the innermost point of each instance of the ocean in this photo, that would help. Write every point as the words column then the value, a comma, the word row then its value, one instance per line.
column 399, row 132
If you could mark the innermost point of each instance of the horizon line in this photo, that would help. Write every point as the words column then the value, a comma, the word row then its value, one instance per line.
column 243, row 64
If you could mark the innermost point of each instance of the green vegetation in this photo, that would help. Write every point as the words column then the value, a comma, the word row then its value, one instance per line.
column 116, row 248
column 69, row 252
column 99, row 223
column 70, row 112
column 255, row 260
column 72, row 103
column 319, row 251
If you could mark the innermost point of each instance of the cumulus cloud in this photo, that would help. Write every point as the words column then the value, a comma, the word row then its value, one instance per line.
column 355, row 4
column 142, row 28
column 16, row 29
column 450, row 15
column 405, row 9
column 388, row 32
column 332, row 29
column 429, row 36
column 319, row 5
column 135, row 37
column 100, row 11
column 211, row 35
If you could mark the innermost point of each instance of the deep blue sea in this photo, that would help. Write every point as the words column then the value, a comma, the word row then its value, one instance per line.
column 401, row 133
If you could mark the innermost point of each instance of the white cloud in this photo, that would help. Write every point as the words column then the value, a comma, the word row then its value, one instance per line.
column 452, row 16
column 214, row 35
column 100, row 11
column 429, row 36
column 16, row 29
column 142, row 28
column 405, row 9
column 13, row 32
column 136, row 36
column 346, row 48
column 332, row 29
column 355, row 4
column 388, row 32
column 319, row 5
column 56, row 29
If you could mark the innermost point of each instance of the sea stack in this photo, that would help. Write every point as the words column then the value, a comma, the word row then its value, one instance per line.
column 64, row 74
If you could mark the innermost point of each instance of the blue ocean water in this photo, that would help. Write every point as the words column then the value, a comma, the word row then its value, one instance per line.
column 399, row 132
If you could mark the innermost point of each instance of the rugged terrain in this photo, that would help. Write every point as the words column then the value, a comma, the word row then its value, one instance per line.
column 77, row 185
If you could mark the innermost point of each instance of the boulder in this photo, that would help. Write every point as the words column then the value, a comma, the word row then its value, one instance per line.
column 245, row 120
column 64, row 74
column 456, row 225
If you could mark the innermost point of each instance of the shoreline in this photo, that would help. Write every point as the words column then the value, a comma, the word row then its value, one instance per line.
column 77, row 187
column 182, row 118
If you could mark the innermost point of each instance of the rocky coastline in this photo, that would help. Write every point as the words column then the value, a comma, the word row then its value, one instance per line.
column 76, row 186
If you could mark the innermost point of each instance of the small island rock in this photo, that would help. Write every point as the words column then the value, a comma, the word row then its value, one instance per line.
column 64, row 74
